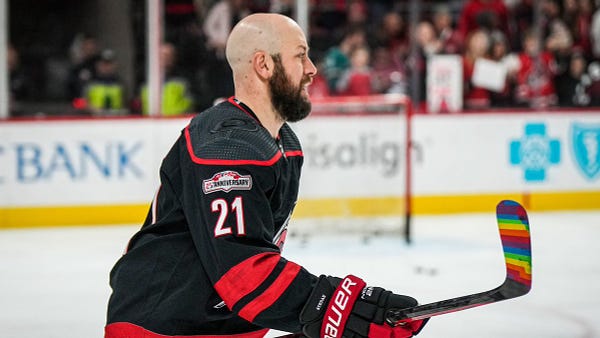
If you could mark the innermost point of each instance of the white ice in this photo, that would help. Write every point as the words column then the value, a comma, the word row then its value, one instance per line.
column 54, row 282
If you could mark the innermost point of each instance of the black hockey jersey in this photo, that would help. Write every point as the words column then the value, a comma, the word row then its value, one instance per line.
column 207, row 259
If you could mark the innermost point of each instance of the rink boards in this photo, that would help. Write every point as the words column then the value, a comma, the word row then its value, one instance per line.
column 99, row 171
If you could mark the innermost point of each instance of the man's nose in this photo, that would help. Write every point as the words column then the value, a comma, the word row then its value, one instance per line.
column 310, row 69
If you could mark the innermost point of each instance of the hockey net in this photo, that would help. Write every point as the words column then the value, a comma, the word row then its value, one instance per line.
column 356, row 173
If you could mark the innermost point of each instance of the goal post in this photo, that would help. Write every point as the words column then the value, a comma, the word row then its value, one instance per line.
column 357, row 165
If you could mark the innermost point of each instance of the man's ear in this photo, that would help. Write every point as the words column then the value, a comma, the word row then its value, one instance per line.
column 263, row 64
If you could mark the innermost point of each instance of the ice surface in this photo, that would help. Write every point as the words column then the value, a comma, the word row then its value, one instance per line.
column 54, row 282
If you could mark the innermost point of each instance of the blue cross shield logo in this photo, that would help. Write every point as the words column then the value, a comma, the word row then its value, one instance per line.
column 535, row 152
column 586, row 148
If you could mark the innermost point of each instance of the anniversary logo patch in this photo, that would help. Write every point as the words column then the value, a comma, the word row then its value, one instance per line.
column 226, row 181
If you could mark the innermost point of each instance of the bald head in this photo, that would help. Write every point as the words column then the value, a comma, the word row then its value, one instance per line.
column 268, row 54
column 267, row 32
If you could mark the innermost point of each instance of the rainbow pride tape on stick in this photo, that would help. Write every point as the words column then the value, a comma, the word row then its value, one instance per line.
column 513, row 225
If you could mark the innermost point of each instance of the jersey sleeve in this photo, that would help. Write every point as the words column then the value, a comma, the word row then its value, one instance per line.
column 229, row 212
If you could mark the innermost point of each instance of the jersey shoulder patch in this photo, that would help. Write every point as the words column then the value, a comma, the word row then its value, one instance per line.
column 224, row 134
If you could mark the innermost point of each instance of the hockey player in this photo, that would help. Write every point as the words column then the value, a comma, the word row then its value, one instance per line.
column 207, row 261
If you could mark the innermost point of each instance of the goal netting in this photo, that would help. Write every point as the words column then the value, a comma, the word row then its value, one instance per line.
column 356, row 171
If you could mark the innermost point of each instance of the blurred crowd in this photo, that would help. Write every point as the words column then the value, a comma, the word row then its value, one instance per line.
column 549, row 51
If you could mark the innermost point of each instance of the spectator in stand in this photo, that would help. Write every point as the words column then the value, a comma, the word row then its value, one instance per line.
column 557, row 37
column 427, row 44
column 357, row 13
column 583, row 26
column 218, row 23
column 104, row 93
column 500, row 52
column 85, row 51
column 183, row 29
column 357, row 80
column 521, row 15
column 477, row 46
column 390, row 52
column 19, row 81
column 391, row 33
column 535, row 77
column 176, row 96
column 572, row 86
column 489, row 15
column 337, row 58
column 449, row 38
column 388, row 72
column 477, row 20
column 594, row 89
column 427, row 39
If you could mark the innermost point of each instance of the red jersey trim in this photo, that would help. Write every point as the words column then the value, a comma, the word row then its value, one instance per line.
column 234, row 102
column 199, row 160
column 129, row 330
column 262, row 302
column 245, row 277
column 294, row 153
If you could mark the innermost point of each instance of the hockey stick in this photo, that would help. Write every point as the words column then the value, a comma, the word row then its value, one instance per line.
column 513, row 225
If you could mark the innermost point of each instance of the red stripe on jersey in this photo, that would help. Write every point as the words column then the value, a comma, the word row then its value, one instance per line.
column 245, row 277
column 294, row 153
column 199, row 160
column 128, row 330
column 235, row 103
column 267, row 298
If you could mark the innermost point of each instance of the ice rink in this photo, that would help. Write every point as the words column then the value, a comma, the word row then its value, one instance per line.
column 54, row 282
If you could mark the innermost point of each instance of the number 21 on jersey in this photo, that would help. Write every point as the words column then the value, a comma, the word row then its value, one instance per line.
column 222, row 207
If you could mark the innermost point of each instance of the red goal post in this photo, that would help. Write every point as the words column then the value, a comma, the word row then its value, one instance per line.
column 355, row 132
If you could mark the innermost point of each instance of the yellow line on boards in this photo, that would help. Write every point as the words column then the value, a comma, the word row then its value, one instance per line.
column 24, row 217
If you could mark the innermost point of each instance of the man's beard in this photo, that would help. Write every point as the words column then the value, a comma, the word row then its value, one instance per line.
column 286, row 98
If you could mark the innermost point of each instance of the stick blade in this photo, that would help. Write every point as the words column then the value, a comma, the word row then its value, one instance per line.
column 515, row 235
column 513, row 225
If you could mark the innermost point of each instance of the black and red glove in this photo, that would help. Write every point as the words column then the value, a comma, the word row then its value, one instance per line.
column 349, row 308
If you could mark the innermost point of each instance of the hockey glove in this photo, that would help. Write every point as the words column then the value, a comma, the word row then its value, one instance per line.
column 348, row 308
